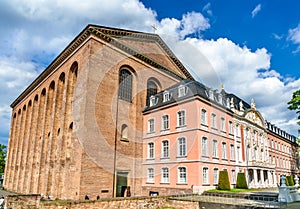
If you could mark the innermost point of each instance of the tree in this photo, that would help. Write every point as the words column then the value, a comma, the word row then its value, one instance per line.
column 224, row 183
column 241, row 182
column 2, row 157
column 294, row 103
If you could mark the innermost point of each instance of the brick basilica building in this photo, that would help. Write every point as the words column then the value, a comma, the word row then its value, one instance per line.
column 116, row 108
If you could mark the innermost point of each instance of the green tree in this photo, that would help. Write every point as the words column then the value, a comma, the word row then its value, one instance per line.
column 294, row 103
column 2, row 157
column 223, row 183
column 241, row 182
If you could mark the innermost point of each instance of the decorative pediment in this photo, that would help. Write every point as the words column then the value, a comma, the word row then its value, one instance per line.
column 255, row 117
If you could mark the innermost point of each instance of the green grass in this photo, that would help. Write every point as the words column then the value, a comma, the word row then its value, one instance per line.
column 235, row 190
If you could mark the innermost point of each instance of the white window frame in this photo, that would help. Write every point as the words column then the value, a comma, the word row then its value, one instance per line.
column 214, row 121
column 203, row 116
column 150, row 175
column 224, row 151
column 166, row 96
column 151, row 125
column 151, row 150
column 165, row 149
column 232, row 156
column 181, row 144
column 182, row 175
column 230, row 127
column 181, row 118
column 216, row 175
column 165, row 175
column 205, row 175
column 222, row 124
column 204, row 144
column 182, row 90
column 165, row 122
column 215, row 148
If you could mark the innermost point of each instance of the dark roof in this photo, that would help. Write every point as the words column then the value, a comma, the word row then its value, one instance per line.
column 281, row 133
column 192, row 89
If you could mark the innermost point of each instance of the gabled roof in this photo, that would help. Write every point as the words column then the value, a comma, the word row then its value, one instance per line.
column 122, row 39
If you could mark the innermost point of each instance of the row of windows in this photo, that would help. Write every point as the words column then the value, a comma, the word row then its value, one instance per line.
column 165, row 122
column 182, row 175
column 182, row 91
column 182, row 149
column 181, row 121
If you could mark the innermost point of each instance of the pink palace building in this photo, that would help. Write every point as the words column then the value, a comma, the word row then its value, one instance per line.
column 191, row 132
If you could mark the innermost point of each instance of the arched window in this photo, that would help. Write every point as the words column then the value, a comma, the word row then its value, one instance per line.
column 124, row 132
column 151, row 90
column 125, row 85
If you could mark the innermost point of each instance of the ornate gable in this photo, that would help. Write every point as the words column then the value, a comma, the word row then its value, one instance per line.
column 255, row 117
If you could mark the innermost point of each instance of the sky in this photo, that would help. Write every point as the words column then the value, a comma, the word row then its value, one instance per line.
column 250, row 46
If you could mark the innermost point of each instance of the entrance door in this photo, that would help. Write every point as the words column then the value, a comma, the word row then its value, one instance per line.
column 121, row 183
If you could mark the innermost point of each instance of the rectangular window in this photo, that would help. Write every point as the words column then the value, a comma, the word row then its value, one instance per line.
column 150, row 176
column 182, row 90
column 238, row 152
column 216, row 176
column 165, row 175
column 230, row 128
column 203, row 117
column 165, row 149
column 181, row 118
column 237, row 130
column 233, row 176
column 204, row 146
column 224, row 156
column 165, row 122
column 223, row 124
column 151, row 126
column 232, row 152
column 166, row 96
column 205, row 176
column 213, row 121
column 182, row 175
column 215, row 148
column 181, row 147
column 151, row 150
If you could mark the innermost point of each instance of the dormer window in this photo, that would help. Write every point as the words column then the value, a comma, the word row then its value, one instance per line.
column 211, row 94
column 182, row 90
column 153, row 101
column 166, row 96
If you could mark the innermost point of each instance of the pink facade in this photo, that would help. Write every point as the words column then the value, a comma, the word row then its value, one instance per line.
column 188, row 140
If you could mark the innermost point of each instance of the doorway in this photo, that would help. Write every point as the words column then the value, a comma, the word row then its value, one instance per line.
column 122, row 178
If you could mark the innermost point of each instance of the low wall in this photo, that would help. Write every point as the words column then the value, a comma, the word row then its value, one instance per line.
column 33, row 202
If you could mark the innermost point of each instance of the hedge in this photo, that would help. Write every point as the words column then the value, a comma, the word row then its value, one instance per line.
column 241, row 182
column 223, row 183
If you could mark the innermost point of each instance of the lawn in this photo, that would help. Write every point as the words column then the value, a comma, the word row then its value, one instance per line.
column 234, row 190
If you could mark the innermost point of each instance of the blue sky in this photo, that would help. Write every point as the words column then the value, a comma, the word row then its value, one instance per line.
column 253, row 47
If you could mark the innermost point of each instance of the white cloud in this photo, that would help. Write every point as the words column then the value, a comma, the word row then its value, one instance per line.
column 294, row 36
column 191, row 23
column 256, row 10
column 34, row 32
column 207, row 9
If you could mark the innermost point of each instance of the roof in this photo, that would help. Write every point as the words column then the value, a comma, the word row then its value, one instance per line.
column 191, row 89
column 125, row 40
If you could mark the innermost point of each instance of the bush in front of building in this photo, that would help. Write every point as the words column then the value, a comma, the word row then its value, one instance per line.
column 290, row 181
column 223, row 183
column 241, row 182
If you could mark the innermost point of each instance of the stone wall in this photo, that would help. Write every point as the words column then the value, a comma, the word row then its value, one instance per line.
column 33, row 202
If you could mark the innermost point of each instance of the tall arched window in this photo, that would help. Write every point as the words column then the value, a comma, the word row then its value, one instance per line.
column 151, row 90
column 125, row 85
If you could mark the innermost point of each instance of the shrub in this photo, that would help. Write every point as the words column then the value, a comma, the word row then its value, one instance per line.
column 290, row 181
column 223, row 183
column 241, row 182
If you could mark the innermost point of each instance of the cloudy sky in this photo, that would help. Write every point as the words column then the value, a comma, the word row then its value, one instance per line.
column 253, row 47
